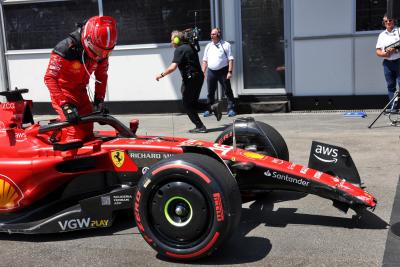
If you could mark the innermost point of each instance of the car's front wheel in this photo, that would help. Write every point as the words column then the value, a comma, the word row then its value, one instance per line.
column 187, row 205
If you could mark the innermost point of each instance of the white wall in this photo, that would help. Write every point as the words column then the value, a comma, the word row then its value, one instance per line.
column 322, row 17
column 369, row 79
column 132, row 74
column 329, row 57
column 323, row 67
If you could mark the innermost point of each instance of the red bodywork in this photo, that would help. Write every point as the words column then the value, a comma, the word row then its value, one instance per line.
column 28, row 162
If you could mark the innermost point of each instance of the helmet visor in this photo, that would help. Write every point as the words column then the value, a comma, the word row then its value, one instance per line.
column 100, row 53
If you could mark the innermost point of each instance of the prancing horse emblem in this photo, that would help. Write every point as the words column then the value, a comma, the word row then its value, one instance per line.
column 118, row 158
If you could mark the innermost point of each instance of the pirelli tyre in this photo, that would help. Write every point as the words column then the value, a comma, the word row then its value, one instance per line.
column 187, row 206
column 265, row 139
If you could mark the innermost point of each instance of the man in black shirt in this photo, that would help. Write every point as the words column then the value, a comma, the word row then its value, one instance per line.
column 186, row 59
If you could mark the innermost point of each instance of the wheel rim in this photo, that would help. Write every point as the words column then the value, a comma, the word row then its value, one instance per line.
column 180, row 214
column 178, row 211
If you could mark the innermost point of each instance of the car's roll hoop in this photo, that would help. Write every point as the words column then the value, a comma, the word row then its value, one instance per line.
column 98, row 117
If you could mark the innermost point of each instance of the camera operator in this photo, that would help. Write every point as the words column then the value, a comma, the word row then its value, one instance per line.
column 391, row 61
column 186, row 58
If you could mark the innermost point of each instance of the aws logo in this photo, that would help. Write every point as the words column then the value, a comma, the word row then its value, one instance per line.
column 10, row 194
column 118, row 158
column 326, row 154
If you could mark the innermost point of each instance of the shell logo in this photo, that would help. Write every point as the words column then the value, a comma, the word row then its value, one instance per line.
column 253, row 155
column 10, row 194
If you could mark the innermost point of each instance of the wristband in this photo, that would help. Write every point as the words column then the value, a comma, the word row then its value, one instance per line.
column 162, row 74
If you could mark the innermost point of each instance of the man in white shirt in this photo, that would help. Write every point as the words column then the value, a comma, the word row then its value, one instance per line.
column 218, row 62
column 391, row 61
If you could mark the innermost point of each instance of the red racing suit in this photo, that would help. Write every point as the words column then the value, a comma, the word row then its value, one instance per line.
column 67, row 78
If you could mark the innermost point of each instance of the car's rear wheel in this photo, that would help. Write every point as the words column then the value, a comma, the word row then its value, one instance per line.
column 267, row 141
column 187, row 205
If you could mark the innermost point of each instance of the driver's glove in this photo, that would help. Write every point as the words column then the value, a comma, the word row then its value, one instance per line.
column 70, row 112
column 100, row 106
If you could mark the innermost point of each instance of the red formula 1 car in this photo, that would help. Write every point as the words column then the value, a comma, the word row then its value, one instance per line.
column 186, row 194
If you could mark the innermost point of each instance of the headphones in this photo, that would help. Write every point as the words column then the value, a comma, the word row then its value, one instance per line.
column 219, row 32
column 176, row 40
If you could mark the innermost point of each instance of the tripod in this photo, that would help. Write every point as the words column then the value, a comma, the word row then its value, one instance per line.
column 391, row 102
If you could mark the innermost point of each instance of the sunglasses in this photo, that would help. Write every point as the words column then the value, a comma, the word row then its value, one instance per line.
column 388, row 20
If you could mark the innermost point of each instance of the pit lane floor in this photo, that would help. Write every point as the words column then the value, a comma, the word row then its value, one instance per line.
column 281, row 229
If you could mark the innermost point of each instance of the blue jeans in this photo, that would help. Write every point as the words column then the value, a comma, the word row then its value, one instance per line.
column 215, row 76
column 391, row 69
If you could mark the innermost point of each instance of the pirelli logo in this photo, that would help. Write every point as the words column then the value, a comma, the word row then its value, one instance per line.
column 219, row 209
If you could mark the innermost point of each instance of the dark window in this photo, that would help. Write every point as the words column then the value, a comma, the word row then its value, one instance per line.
column 43, row 25
column 370, row 14
column 151, row 21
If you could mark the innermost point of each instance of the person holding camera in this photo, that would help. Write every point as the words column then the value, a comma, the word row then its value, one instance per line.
column 186, row 59
column 391, row 61
column 72, row 61
column 218, row 62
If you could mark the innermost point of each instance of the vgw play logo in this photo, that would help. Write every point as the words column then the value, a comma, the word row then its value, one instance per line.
column 326, row 154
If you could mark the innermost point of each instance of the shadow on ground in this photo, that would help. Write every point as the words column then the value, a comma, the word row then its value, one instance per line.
column 240, row 248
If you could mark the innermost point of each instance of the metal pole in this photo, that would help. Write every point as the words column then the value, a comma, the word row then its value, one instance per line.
column 100, row 2
column 4, row 83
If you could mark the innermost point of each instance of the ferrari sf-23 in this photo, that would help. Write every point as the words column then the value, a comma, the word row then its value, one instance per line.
column 185, row 194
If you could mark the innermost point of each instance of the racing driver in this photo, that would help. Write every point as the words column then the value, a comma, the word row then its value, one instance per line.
column 72, row 61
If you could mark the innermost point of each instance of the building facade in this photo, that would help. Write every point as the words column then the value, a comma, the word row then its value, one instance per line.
column 316, row 53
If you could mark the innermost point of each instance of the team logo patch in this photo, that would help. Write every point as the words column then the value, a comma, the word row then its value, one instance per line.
column 253, row 155
column 76, row 65
column 118, row 158
column 10, row 194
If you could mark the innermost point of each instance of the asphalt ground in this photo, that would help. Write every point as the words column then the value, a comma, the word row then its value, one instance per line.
column 280, row 229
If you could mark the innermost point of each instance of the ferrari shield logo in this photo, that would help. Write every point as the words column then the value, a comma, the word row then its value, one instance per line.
column 118, row 158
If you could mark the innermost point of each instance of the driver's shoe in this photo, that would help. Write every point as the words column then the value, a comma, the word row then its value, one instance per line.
column 217, row 109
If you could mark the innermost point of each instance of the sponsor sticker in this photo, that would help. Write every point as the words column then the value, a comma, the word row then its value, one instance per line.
column 218, row 207
column 105, row 201
column 317, row 175
column 326, row 154
column 252, row 155
column 286, row 177
column 147, row 158
column 10, row 194
column 3, row 130
column 83, row 223
column 118, row 158
column 7, row 106
column 121, row 199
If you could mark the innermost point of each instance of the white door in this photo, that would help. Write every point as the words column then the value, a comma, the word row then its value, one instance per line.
column 264, row 47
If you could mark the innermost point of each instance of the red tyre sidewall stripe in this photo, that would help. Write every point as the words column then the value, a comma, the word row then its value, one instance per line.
column 185, row 167
column 197, row 253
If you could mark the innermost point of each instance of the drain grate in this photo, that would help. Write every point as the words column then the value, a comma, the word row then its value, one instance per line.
column 395, row 228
